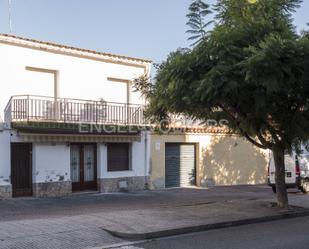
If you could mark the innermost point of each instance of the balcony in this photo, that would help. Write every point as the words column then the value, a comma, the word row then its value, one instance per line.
column 31, row 109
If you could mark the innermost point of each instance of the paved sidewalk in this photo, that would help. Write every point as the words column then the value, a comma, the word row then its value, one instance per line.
column 24, row 208
column 77, row 232
column 78, row 221
column 199, row 216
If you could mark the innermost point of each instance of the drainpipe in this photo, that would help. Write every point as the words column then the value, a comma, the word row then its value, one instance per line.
column 146, row 160
column 146, row 172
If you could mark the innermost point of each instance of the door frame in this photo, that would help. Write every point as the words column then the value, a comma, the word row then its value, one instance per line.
column 195, row 158
column 80, row 186
column 30, row 193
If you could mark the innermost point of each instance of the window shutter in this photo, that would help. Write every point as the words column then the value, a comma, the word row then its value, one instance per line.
column 118, row 156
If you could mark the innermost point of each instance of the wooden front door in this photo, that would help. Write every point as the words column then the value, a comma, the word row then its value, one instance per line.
column 83, row 167
column 21, row 169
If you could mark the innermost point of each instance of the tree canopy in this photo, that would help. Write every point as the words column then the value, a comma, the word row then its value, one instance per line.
column 251, row 70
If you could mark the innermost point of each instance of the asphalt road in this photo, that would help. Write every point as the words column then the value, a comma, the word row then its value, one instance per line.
column 283, row 234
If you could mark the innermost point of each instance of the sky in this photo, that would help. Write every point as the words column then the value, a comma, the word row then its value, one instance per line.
column 147, row 29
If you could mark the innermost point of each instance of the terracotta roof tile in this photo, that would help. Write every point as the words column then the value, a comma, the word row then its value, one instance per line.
column 212, row 130
column 60, row 46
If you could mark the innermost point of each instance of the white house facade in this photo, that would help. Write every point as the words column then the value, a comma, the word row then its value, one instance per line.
column 71, row 120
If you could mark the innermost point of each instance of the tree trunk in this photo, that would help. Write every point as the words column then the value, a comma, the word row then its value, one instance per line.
column 282, row 195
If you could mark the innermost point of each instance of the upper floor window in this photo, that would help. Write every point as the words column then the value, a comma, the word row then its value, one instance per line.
column 41, row 81
column 125, row 87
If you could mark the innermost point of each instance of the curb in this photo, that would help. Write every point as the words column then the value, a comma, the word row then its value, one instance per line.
column 199, row 228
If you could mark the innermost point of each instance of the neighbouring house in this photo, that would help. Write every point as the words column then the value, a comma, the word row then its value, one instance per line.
column 205, row 157
column 71, row 120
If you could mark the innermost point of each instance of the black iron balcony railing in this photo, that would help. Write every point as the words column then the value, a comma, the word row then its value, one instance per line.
column 47, row 109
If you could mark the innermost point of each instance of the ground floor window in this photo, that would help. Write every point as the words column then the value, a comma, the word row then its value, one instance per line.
column 118, row 156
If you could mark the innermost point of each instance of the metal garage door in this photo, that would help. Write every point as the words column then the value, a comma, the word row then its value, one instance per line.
column 179, row 165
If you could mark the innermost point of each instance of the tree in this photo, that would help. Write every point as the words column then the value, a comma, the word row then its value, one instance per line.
column 252, row 71
column 198, row 10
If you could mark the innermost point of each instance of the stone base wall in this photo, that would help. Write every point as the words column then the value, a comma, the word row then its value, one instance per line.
column 108, row 185
column 5, row 191
column 52, row 189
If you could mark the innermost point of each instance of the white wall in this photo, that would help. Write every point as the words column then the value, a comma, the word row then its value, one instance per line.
column 51, row 162
column 102, row 160
column 5, row 158
column 78, row 77
column 139, row 166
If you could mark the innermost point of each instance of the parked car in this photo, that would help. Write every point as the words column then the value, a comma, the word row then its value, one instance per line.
column 296, row 171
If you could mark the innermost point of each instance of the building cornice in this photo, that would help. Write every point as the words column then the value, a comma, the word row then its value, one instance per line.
column 73, row 51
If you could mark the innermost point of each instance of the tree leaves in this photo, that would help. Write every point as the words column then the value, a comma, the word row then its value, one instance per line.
column 198, row 10
column 252, row 70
